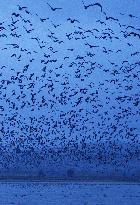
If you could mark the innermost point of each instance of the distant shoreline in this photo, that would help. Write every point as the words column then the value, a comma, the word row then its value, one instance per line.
column 35, row 180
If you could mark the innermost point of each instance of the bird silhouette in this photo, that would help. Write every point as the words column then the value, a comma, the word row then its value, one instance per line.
column 92, row 5
column 53, row 8
column 21, row 7
column 73, row 20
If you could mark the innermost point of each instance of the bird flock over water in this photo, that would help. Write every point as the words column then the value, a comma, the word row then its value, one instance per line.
column 69, row 86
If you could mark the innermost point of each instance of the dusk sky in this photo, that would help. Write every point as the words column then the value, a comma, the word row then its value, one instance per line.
column 70, row 87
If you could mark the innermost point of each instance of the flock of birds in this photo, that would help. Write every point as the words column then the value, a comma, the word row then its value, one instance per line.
column 69, row 88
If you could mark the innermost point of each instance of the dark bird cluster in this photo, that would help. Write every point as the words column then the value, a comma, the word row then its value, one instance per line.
column 69, row 91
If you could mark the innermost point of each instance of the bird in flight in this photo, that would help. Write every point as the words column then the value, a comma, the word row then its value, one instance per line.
column 21, row 8
column 72, row 20
column 91, row 5
column 52, row 8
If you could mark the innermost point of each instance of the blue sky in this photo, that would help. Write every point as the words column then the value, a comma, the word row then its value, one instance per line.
column 100, row 106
